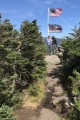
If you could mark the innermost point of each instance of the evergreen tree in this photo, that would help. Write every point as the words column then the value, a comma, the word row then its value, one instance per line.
column 8, row 56
column 32, row 49
column 21, row 58
column 71, row 70
column 71, row 54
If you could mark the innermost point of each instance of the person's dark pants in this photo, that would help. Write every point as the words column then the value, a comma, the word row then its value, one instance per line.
column 49, row 48
column 54, row 48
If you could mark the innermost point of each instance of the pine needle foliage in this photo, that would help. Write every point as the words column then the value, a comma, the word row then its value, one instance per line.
column 21, row 58
column 22, row 61
column 71, row 70
column 33, row 49
column 6, row 113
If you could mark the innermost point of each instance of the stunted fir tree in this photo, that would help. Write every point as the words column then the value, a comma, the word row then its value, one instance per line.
column 7, row 74
column 71, row 71
column 21, row 59
column 32, row 48
column 71, row 54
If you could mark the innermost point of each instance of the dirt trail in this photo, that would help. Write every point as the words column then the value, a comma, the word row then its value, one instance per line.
column 54, row 94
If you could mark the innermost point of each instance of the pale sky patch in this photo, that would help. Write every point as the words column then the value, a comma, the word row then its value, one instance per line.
column 60, row 0
column 68, row 3
column 72, row 19
column 18, row 16
column 36, row 2
column 30, row 14
column 73, row 6
column 8, row 11
column 48, row 2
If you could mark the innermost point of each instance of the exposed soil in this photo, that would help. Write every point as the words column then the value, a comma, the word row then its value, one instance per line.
column 49, row 109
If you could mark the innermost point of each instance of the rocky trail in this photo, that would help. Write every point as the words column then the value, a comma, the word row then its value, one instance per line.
column 52, row 108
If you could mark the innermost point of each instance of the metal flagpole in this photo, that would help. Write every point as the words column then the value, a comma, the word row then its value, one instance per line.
column 48, row 21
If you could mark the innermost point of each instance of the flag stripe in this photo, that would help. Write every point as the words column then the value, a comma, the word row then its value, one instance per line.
column 55, row 28
column 55, row 31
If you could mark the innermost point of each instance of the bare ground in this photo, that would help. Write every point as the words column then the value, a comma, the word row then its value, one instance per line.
column 49, row 108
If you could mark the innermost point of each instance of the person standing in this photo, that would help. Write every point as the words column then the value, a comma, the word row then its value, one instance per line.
column 49, row 45
column 54, row 45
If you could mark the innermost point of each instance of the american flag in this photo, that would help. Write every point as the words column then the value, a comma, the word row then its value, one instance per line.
column 55, row 12
column 55, row 28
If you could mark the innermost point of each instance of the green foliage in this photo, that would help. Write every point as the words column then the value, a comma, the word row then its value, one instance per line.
column 7, row 88
column 77, row 104
column 71, row 54
column 71, row 70
column 22, row 61
column 6, row 113
column 33, row 49
column 73, row 114
column 26, row 59
column 75, row 83
column 34, row 89
column 76, row 88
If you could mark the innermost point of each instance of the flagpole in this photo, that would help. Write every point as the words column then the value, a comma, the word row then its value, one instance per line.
column 48, row 21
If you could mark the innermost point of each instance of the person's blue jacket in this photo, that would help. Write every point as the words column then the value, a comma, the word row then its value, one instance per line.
column 49, row 41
